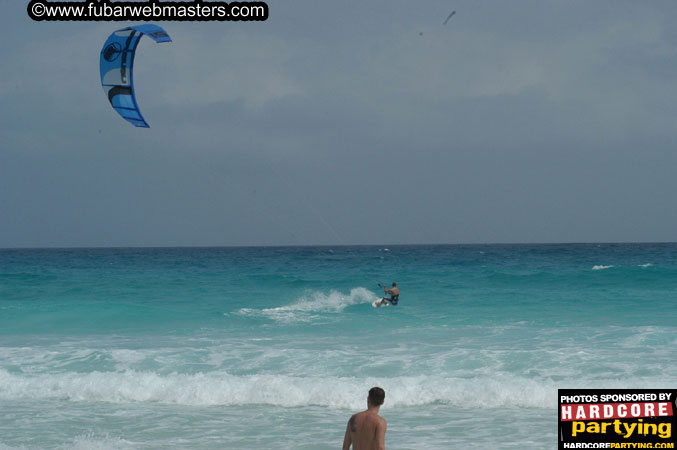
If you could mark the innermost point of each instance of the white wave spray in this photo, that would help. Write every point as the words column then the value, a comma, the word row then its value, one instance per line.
column 306, row 307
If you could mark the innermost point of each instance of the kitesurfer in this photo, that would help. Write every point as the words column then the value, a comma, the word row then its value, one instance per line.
column 394, row 293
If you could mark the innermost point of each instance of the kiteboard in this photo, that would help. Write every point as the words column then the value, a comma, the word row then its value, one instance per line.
column 378, row 304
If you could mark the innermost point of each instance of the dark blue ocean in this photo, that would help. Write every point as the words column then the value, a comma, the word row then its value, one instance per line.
column 270, row 348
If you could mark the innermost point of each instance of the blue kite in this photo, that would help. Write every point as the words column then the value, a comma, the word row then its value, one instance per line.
column 116, row 64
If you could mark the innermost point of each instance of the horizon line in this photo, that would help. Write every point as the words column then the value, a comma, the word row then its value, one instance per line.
column 102, row 247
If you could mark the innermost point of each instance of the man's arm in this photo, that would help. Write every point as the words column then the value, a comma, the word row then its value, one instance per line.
column 347, row 439
column 381, row 435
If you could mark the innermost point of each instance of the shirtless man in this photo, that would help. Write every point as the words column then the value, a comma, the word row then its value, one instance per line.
column 367, row 430
column 394, row 295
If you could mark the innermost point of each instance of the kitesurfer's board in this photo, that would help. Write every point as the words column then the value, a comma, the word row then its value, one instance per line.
column 378, row 304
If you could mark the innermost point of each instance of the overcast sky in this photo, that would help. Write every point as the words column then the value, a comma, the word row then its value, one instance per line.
column 348, row 123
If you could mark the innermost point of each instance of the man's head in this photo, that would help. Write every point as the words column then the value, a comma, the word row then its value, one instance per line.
column 376, row 396
column 394, row 284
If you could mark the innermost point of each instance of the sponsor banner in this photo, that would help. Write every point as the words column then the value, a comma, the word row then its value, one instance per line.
column 616, row 418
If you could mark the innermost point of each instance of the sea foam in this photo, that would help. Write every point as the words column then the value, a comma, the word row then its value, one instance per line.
column 223, row 389
column 278, row 390
column 305, row 308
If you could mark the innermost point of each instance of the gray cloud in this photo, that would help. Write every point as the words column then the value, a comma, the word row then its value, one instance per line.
column 525, row 121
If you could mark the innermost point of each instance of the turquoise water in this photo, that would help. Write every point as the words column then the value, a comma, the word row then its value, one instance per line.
column 268, row 348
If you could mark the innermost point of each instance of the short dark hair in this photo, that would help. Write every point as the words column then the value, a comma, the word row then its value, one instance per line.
column 394, row 284
column 376, row 396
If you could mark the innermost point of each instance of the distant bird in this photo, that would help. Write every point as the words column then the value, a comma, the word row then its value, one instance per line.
column 449, row 17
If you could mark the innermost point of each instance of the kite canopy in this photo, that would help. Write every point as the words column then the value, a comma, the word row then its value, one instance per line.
column 116, row 64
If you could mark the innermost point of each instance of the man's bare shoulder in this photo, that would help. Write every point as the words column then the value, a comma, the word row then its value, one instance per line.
column 371, row 417
column 382, row 421
column 365, row 416
column 352, row 422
